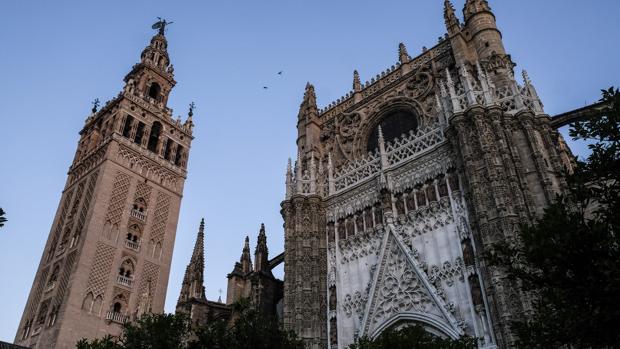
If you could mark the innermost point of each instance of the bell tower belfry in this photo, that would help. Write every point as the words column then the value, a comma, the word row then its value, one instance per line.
column 107, row 257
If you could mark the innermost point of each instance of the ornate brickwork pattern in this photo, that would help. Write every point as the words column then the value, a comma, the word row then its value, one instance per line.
column 150, row 273
column 60, row 223
column 32, row 306
column 118, row 198
column 148, row 167
column 64, row 279
column 143, row 191
column 100, row 272
column 160, row 217
column 86, row 205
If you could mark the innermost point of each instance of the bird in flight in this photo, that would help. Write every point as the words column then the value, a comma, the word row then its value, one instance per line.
column 280, row 72
column 265, row 87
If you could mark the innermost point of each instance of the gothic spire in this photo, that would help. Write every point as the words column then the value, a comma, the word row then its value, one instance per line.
column 308, row 108
column 452, row 22
column 246, row 260
column 261, row 254
column 309, row 95
column 193, row 280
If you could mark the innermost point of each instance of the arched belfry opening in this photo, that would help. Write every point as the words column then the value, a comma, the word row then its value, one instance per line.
column 394, row 123
column 154, row 91
column 154, row 136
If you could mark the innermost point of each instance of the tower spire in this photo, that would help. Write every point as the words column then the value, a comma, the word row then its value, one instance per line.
column 194, row 273
column 452, row 22
column 261, row 254
column 246, row 260
column 153, row 77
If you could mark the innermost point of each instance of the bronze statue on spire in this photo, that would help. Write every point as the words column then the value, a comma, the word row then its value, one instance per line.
column 161, row 25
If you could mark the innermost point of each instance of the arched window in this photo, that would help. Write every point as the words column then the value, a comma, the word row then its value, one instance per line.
column 87, row 303
column 179, row 155
column 53, row 277
column 119, row 304
column 154, row 91
column 168, row 151
column 118, row 307
column 53, row 316
column 134, row 232
column 154, row 137
column 394, row 124
column 126, row 268
column 97, row 305
column 127, row 127
column 139, row 133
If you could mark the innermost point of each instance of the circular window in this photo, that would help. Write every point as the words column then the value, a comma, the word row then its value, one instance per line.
column 393, row 125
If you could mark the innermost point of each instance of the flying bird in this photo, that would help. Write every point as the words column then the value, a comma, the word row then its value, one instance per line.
column 280, row 72
column 265, row 87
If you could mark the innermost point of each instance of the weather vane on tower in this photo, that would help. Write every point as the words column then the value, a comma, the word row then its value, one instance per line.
column 161, row 25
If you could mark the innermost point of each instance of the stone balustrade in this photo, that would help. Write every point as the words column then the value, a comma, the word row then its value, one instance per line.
column 116, row 317
column 125, row 281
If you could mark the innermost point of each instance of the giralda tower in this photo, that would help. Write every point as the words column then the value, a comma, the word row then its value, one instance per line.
column 107, row 257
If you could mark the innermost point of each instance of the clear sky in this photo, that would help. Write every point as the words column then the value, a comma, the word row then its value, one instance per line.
column 57, row 56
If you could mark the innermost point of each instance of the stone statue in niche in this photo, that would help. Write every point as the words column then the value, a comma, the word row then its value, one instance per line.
column 348, row 126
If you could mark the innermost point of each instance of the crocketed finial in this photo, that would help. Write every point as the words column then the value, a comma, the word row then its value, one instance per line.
column 403, row 56
column 357, row 84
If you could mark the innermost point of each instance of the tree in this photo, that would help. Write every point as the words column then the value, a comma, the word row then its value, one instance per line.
column 249, row 330
column 151, row 331
column 412, row 337
column 2, row 218
column 569, row 261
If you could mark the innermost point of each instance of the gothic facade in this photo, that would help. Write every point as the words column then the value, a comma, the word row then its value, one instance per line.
column 253, row 282
column 402, row 183
column 108, row 254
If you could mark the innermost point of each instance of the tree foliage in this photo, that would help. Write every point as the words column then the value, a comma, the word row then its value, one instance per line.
column 2, row 218
column 167, row 331
column 250, row 330
column 413, row 337
column 151, row 331
column 570, row 259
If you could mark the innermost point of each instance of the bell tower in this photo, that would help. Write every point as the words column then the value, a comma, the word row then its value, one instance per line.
column 107, row 257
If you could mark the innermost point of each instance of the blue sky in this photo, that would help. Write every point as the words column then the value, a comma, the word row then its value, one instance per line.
column 57, row 56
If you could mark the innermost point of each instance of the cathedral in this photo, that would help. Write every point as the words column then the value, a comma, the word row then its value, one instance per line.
column 397, row 189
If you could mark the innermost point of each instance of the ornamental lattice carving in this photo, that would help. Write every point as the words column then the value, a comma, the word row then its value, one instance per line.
column 32, row 306
column 61, row 221
column 86, row 204
column 64, row 279
column 147, row 167
column 120, row 189
column 150, row 273
column 360, row 245
column 354, row 304
column 100, row 272
column 160, row 218
column 143, row 191
column 447, row 272
column 400, row 289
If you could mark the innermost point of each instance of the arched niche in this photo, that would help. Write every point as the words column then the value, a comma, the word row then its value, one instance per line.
column 431, row 324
